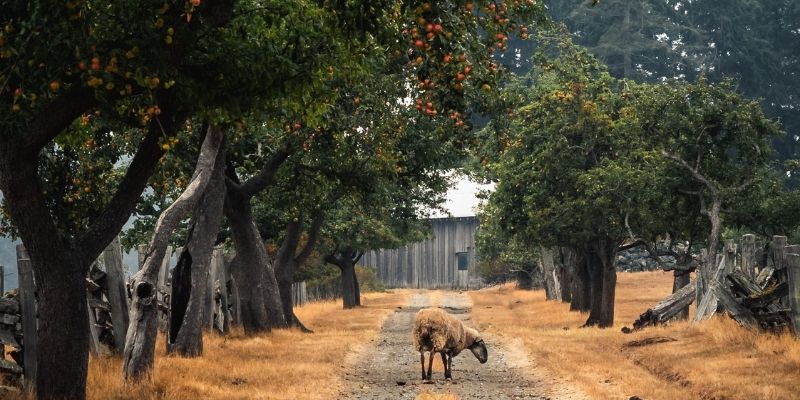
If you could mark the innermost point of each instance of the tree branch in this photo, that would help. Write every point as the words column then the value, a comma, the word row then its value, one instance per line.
column 105, row 225
column 56, row 116
column 694, row 171
column 290, row 241
column 357, row 256
column 313, row 235
column 332, row 259
column 172, row 216
column 627, row 246
column 259, row 182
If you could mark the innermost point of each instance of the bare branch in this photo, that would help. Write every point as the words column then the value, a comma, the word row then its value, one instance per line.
column 694, row 171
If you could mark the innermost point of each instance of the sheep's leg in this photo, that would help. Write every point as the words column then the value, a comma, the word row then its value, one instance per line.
column 422, row 361
column 450, row 365
column 430, row 365
column 446, row 367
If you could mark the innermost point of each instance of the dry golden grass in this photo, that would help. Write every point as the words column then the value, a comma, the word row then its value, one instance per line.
column 715, row 360
column 427, row 395
column 278, row 365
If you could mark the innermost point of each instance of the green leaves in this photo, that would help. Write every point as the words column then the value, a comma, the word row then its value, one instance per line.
column 583, row 155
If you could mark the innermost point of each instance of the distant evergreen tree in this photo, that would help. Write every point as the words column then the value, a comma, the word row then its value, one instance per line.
column 757, row 42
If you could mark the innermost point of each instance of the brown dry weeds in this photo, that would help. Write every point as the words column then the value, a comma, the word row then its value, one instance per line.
column 715, row 360
column 278, row 365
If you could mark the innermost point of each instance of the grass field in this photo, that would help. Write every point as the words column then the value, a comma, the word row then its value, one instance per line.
column 278, row 365
column 714, row 360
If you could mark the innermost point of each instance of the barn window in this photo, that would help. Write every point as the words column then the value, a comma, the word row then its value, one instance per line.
column 463, row 261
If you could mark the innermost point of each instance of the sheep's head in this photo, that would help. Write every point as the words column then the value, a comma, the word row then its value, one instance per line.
column 478, row 348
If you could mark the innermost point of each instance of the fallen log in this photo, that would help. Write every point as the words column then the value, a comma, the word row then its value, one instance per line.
column 666, row 309
column 743, row 286
column 738, row 312
column 766, row 297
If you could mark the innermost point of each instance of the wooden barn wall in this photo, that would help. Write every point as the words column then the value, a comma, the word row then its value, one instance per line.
column 431, row 263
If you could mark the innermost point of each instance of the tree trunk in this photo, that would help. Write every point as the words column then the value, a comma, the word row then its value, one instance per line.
column 580, row 288
column 350, row 295
column 681, row 280
column 259, row 295
column 566, row 259
column 709, row 269
column 186, row 321
column 63, row 329
column 603, row 282
column 285, row 267
column 258, row 288
column 548, row 269
column 356, row 288
column 138, row 358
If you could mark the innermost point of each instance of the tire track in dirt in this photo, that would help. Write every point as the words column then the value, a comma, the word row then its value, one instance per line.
column 388, row 367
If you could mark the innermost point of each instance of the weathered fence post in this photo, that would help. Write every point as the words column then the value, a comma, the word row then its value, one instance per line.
column 94, row 338
column 208, row 304
column 117, row 294
column 161, row 289
column 778, row 252
column 236, row 304
column 222, row 283
column 793, row 279
column 730, row 256
column 749, row 255
column 708, row 305
column 778, row 256
column 27, row 296
column 701, row 277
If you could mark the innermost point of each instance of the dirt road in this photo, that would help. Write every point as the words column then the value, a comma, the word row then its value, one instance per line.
column 388, row 368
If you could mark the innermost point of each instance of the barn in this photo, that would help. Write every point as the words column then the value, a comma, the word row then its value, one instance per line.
column 445, row 260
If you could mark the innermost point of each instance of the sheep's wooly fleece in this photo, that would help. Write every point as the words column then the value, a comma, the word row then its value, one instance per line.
column 445, row 331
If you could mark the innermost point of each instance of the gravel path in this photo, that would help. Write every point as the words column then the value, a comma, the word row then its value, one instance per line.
column 388, row 368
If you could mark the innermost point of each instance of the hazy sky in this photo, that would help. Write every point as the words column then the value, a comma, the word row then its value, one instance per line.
column 461, row 200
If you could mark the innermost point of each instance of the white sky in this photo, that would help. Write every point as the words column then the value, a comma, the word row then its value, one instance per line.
column 461, row 200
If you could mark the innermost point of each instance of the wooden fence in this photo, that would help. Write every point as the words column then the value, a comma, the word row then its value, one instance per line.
column 757, row 285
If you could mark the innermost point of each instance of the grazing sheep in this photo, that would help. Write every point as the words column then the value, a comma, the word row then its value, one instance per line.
column 437, row 331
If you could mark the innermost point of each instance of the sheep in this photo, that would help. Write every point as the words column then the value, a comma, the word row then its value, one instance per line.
column 436, row 331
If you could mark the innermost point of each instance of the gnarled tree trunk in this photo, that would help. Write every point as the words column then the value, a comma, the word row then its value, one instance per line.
column 186, row 319
column 259, row 294
column 138, row 357
column 287, row 261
